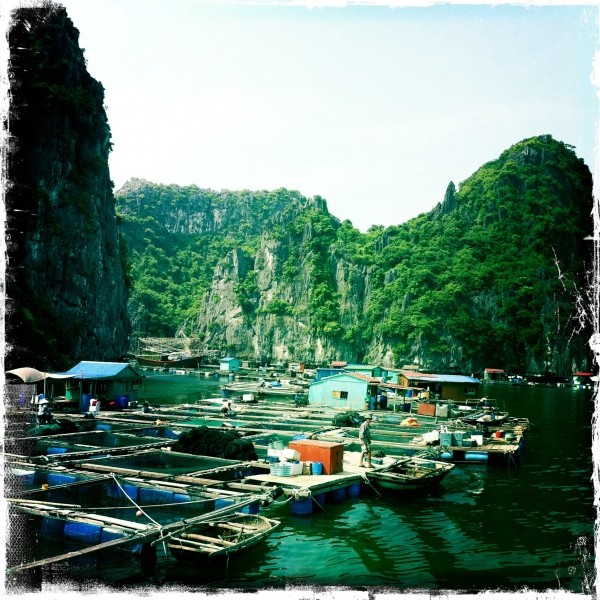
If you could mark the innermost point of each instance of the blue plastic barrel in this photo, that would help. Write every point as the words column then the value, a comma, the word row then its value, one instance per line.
column 222, row 503
column 320, row 499
column 302, row 506
column 383, row 401
column 251, row 509
column 409, row 393
column 338, row 495
column 476, row 456
column 60, row 479
column 354, row 490
column 317, row 468
column 52, row 528
column 84, row 403
column 372, row 403
column 83, row 532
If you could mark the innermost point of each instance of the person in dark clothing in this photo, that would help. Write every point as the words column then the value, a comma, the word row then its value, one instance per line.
column 364, row 435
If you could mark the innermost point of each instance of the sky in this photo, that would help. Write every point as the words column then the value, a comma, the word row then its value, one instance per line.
column 374, row 108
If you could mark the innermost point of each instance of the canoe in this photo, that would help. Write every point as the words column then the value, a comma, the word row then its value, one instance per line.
column 485, row 418
column 221, row 538
column 409, row 474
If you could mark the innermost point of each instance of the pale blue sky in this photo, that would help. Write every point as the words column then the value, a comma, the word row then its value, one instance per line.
column 373, row 108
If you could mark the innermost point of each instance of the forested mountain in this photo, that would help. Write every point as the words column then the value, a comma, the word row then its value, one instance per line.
column 489, row 278
column 66, row 291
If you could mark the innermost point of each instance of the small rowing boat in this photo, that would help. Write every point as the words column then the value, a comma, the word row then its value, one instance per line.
column 221, row 538
column 409, row 474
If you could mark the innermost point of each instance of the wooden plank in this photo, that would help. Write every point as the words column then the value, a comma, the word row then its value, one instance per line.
column 205, row 538
column 240, row 528
column 189, row 547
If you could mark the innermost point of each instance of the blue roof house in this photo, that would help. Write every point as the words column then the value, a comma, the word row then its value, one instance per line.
column 448, row 387
column 113, row 383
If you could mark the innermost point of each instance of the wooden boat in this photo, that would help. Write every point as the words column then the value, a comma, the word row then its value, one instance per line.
column 409, row 474
column 221, row 538
column 485, row 418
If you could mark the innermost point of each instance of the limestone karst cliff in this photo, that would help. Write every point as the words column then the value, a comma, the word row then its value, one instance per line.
column 496, row 275
column 66, row 290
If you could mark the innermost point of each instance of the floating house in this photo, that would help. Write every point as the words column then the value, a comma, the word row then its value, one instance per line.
column 229, row 364
column 375, row 371
column 493, row 375
column 343, row 390
column 582, row 379
column 109, row 382
column 447, row 387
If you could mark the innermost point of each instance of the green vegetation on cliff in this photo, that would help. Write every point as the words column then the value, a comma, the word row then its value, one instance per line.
column 487, row 278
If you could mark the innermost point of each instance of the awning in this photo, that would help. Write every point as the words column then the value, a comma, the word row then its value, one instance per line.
column 31, row 375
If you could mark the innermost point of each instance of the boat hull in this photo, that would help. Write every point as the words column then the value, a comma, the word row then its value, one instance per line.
column 222, row 539
column 409, row 475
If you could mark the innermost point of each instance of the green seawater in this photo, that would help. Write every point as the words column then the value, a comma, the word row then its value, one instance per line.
column 487, row 527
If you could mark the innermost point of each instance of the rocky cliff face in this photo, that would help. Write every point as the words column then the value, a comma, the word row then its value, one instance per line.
column 273, row 276
column 66, row 281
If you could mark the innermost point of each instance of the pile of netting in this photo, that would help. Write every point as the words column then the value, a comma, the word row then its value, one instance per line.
column 210, row 442
column 58, row 426
column 348, row 419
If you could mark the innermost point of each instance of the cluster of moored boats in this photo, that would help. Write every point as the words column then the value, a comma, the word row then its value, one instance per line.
column 116, row 482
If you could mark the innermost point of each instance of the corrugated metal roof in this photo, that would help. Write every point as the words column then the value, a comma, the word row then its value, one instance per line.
column 351, row 375
column 416, row 376
column 88, row 369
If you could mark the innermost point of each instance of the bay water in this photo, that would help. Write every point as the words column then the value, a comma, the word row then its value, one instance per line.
column 512, row 527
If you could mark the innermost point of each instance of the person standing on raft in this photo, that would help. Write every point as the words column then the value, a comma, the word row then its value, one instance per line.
column 364, row 435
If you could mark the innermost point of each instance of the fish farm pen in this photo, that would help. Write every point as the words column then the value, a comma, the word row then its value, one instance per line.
column 132, row 478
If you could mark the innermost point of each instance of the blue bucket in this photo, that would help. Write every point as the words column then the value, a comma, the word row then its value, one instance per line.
column 317, row 468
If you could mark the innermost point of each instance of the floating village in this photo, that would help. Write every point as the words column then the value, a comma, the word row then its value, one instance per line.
column 91, row 464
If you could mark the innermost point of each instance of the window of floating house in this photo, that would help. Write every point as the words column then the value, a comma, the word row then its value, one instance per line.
column 340, row 394
column 470, row 392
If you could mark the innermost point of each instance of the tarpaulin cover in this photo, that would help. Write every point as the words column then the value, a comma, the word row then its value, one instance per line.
column 31, row 375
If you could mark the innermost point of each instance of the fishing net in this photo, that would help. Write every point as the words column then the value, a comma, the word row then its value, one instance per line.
column 209, row 442
column 347, row 419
